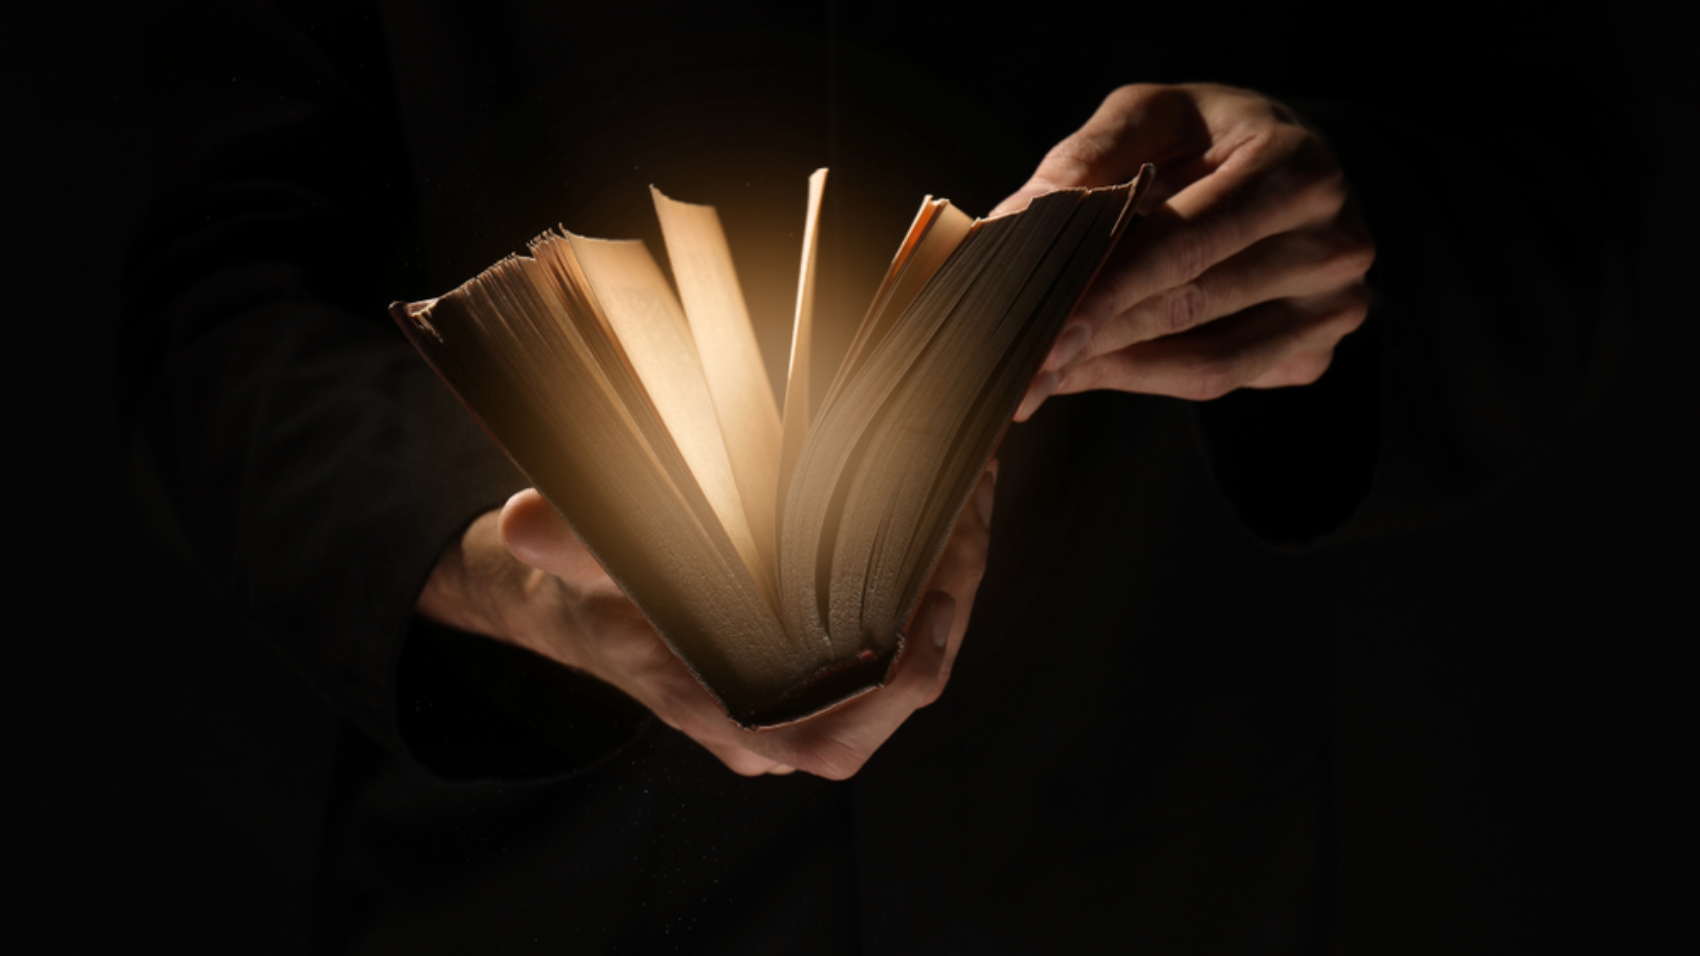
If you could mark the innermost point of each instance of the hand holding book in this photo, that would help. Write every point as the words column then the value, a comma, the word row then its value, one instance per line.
column 780, row 557
column 771, row 565
column 521, row 576
column 1246, row 274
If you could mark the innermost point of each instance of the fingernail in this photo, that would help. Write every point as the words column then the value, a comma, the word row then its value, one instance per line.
column 1041, row 389
column 943, row 614
column 983, row 497
column 1069, row 344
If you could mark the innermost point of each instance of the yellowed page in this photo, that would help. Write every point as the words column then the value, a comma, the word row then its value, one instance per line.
column 914, row 266
column 797, row 410
column 923, row 219
column 731, row 358
column 944, row 233
column 657, row 340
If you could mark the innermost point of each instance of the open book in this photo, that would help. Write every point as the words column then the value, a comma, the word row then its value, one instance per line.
column 779, row 551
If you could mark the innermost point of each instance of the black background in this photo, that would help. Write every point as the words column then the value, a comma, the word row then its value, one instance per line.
column 1511, row 725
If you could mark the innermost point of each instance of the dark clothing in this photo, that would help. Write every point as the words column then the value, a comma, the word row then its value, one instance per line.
column 1130, row 751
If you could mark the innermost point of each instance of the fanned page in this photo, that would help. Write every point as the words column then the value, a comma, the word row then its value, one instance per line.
column 526, row 349
column 731, row 360
column 894, row 452
column 798, row 412
column 779, row 554
column 938, row 229
column 657, row 340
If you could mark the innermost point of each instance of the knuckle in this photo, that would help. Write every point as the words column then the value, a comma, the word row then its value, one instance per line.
column 1210, row 379
column 941, row 682
column 535, row 582
column 1188, row 255
column 1072, row 161
column 1261, row 147
column 1277, row 151
column 1352, row 255
column 1364, row 244
column 1352, row 313
column 1282, row 113
column 957, row 556
column 1347, row 321
column 605, row 600
column 966, row 550
column 1130, row 93
column 1064, row 163
column 1181, row 308
column 1327, row 188
column 1124, row 97
column 611, row 615
column 1310, row 152
column 1131, row 97
column 835, row 760
column 1307, row 369
column 1085, row 377
column 641, row 656
column 745, row 767
column 1311, row 170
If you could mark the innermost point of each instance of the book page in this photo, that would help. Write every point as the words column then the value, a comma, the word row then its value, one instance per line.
column 1020, row 276
column 944, row 233
column 923, row 221
column 731, row 358
column 797, row 411
column 938, row 229
column 656, row 338
column 506, row 348
column 899, row 444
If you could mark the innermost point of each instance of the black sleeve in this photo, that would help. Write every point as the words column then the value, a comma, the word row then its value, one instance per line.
column 282, row 431
column 1499, row 176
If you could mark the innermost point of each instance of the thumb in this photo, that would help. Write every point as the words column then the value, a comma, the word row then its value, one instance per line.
column 536, row 534
column 926, row 664
column 1019, row 199
column 1136, row 124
